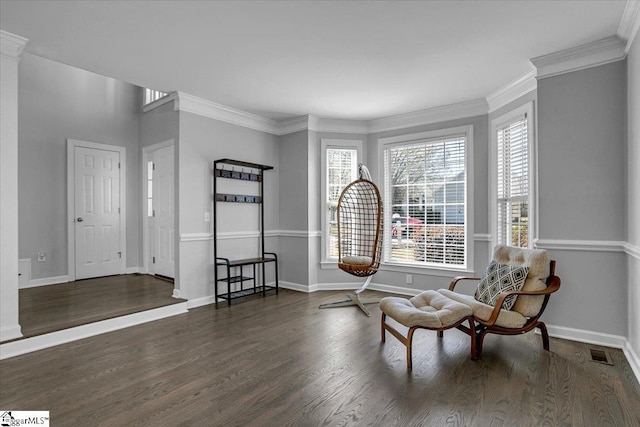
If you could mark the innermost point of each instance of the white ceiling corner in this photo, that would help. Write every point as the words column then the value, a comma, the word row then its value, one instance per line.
column 630, row 22
column 432, row 115
column 512, row 91
column 600, row 52
column 11, row 45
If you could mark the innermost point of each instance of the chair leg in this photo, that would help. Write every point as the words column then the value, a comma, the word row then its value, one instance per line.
column 479, row 340
column 409, row 346
column 545, row 335
column 384, row 316
column 440, row 334
column 472, row 334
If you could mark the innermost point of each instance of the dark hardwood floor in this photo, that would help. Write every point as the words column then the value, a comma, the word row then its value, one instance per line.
column 52, row 308
column 280, row 361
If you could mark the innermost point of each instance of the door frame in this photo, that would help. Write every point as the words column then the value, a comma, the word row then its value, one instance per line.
column 71, row 235
column 143, row 211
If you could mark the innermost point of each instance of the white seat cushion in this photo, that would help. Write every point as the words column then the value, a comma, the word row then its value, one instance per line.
column 356, row 260
column 429, row 309
column 506, row 318
column 538, row 262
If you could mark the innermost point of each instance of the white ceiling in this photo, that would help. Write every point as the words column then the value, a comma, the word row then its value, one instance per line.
column 334, row 59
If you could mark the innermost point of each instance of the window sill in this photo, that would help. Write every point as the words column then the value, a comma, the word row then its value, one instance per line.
column 328, row 265
column 425, row 270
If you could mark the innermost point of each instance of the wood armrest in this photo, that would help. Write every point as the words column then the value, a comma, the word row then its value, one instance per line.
column 553, row 284
column 455, row 281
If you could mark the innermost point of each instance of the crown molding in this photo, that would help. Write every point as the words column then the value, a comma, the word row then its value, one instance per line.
column 294, row 124
column 578, row 58
column 629, row 24
column 11, row 45
column 512, row 91
column 202, row 107
column 432, row 115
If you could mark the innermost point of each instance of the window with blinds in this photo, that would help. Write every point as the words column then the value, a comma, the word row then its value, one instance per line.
column 426, row 197
column 341, row 170
column 513, row 182
column 151, row 95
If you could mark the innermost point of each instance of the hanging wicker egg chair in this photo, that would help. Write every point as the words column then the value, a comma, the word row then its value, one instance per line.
column 359, row 218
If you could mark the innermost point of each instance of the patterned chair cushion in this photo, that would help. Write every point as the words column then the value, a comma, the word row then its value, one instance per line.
column 500, row 278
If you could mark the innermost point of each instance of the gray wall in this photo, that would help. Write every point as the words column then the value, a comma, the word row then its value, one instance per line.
column 633, row 191
column 582, row 193
column 294, row 207
column 203, row 140
column 57, row 102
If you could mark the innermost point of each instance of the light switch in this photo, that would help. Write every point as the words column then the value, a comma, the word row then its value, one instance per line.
column 207, row 216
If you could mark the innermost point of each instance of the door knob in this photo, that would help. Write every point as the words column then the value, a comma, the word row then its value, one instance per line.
column 79, row 220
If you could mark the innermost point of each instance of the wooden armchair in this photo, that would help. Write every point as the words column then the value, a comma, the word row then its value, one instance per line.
column 531, row 301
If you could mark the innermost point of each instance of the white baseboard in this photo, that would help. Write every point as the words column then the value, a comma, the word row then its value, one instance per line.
column 633, row 359
column 10, row 332
column 395, row 289
column 199, row 302
column 134, row 270
column 349, row 286
column 297, row 287
column 34, row 283
column 27, row 345
column 588, row 337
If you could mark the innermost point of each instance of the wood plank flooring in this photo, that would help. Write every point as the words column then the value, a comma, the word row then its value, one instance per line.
column 51, row 308
column 281, row 361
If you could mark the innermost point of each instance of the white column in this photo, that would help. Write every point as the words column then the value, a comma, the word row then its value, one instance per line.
column 11, row 47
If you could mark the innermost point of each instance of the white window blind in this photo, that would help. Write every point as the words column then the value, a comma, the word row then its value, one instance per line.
column 151, row 95
column 426, row 194
column 342, row 169
column 513, row 183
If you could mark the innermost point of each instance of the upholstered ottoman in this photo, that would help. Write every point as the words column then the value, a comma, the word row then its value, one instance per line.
column 428, row 310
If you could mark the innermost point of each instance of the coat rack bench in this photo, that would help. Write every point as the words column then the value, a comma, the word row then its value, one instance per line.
column 239, row 271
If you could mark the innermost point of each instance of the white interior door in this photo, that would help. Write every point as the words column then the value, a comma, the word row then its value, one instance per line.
column 97, row 218
column 161, row 221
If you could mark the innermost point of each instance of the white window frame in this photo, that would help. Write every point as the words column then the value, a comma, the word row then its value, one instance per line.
column 327, row 144
column 497, row 123
column 422, row 137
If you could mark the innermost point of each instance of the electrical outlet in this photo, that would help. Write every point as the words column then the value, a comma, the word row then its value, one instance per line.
column 409, row 279
column 42, row 257
column 207, row 216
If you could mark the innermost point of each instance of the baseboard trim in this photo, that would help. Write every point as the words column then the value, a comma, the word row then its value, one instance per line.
column 10, row 332
column 199, row 302
column 28, row 345
column 46, row 281
column 633, row 359
column 588, row 337
column 297, row 287
column 134, row 270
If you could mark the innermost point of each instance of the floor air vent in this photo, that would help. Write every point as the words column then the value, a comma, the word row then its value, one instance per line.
column 599, row 356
